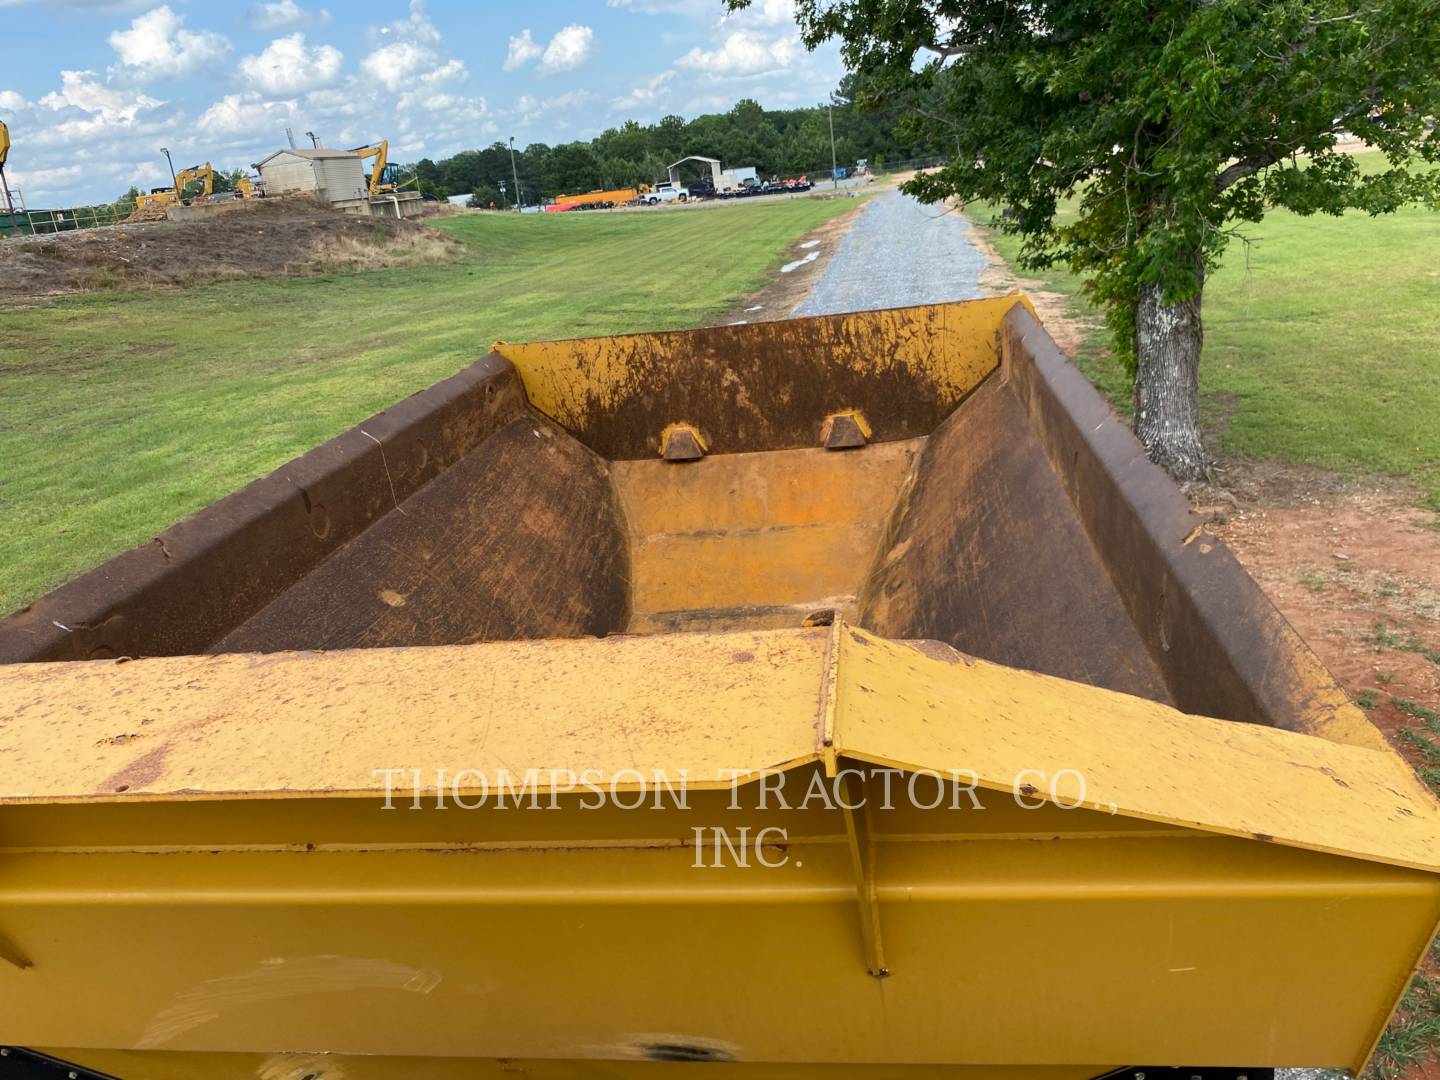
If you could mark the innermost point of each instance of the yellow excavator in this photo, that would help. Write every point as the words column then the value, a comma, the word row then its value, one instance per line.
column 183, row 179
column 5, row 153
column 385, row 176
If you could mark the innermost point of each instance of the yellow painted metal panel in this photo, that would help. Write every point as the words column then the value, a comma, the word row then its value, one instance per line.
column 797, row 528
column 322, row 723
column 160, row 1065
column 949, row 348
column 937, row 710
column 1208, row 950
column 712, row 705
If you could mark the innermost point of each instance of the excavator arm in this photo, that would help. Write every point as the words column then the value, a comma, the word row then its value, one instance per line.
column 196, row 172
column 382, row 175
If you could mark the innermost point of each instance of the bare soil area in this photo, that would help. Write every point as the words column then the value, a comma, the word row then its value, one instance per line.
column 1354, row 565
column 263, row 237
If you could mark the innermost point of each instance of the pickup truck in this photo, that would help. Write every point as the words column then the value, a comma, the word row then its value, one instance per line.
column 664, row 194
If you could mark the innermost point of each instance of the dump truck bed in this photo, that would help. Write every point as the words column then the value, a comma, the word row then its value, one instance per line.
column 479, row 739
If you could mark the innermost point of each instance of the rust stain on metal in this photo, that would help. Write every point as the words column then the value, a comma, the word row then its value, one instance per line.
column 764, row 386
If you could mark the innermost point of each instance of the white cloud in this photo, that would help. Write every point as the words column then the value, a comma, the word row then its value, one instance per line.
column 763, row 13
column 647, row 93
column 10, row 101
column 83, row 90
column 522, row 50
column 415, row 27
column 744, row 53
column 393, row 64
column 567, row 50
column 288, row 66
column 247, row 114
column 158, row 46
column 286, row 14
column 665, row 7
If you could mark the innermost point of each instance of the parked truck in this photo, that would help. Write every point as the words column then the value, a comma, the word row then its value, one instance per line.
column 840, row 697
column 595, row 200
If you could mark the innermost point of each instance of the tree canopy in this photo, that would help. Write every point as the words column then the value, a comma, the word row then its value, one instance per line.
column 1168, row 122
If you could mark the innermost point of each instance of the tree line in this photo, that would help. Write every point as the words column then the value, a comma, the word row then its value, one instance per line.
column 777, row 142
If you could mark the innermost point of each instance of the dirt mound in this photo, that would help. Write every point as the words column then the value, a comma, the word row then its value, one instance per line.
column 148, row 212
column 260, row 238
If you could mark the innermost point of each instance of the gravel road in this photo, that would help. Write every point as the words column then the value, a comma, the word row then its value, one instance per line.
column 898, row 252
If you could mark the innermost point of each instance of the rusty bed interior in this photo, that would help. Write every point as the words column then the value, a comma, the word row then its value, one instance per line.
column 996, row 505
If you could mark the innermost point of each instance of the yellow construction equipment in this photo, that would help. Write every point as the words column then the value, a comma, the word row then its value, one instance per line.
column 201, row 174
column 4, row 155
column 383, row 176
column 840, row 697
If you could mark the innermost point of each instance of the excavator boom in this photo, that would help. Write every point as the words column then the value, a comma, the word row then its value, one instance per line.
column 383, row 175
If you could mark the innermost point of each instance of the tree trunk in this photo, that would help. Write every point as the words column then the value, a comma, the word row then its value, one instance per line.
column 1167, row 381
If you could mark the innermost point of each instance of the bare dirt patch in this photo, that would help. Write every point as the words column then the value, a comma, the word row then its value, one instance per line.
column 783, row 291
column 1355, row 566
column 261, row 238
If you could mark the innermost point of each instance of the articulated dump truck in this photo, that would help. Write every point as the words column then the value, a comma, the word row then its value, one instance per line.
column 840, row 697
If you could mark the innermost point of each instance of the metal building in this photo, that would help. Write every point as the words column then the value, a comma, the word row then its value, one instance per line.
column 335, row 175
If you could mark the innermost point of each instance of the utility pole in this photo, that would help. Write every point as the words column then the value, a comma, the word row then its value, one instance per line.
column 174, row 182
column 834, row 180
column 515, row 174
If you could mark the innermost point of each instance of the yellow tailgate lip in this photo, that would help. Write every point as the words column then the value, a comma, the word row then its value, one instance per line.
column 780, row 699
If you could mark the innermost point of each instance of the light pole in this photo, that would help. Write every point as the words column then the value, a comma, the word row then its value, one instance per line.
column 514, row 173
column 174, row 182
column 314, row 139
column 834, row 180
column 504, row 193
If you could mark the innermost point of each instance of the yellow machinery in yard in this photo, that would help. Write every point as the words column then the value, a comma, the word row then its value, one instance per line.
column 204, row 175
column 840, row 697
column 4, row 155
column 384, row 175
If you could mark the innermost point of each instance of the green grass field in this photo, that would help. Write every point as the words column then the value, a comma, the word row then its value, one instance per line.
column 1320, row 341
column 125, row 412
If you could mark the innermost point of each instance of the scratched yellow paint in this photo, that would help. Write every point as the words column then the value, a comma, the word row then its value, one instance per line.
column 187, row 727
column 201, row 1066
column 900, row 707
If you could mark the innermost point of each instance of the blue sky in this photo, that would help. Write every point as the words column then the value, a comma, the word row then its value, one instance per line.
column 91, row 89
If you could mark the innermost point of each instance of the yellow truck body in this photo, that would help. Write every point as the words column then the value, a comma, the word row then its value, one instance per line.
column 615, row 197
column 839, row 697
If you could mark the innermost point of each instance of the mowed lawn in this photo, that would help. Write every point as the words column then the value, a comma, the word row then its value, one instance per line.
column 1321, row 341
column 123, row 413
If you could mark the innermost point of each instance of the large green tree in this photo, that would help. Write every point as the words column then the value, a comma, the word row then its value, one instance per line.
column 1169, row 122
